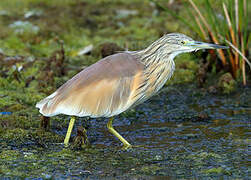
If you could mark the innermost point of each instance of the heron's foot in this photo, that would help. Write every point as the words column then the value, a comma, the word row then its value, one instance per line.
column 129, row 147
column 138, row 146
column 126, row 146
column 81, row 140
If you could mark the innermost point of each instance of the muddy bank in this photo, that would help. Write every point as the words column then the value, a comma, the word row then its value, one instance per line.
column 183, row 132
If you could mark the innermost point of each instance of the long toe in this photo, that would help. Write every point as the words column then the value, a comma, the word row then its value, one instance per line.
column 126, row 146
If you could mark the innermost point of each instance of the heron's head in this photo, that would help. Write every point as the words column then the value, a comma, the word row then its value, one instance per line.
column 176, row 43
column 170, row 45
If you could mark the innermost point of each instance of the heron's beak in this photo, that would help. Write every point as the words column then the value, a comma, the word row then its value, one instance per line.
column 203, row 45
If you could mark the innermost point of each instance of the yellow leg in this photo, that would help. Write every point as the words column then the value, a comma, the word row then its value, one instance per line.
column 115, row 133
column 68, row 134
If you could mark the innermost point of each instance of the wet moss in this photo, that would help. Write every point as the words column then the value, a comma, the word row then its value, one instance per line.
column 33, row 65
column 16, row 134
column 227, row 84
column 218, row 170
column 10, row 155
column 201, row 158
column 151, row 169
column 185, row 71
column 64, row 153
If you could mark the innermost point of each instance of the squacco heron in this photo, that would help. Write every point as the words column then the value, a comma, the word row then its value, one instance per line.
column 119, row 82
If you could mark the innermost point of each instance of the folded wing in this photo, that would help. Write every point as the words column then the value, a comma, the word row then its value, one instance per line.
column 104, row 89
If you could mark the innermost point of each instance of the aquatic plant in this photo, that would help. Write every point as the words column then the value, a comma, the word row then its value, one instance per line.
column 228, row 24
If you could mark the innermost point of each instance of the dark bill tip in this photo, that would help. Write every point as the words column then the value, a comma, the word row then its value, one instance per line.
column 203, row 45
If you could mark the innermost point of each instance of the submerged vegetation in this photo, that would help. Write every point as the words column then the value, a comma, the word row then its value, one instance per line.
column 43, row 43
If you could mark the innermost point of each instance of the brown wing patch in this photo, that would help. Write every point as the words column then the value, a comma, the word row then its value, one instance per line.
column 103, row 89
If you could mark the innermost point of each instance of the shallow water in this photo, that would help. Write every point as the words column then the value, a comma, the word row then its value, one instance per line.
column 181, row 133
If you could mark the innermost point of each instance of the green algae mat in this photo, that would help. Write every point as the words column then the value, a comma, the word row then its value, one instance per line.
column 181, row 133
column 184, row 132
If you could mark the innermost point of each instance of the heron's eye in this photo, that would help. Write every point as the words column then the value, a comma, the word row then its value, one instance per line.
column 182, row 42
